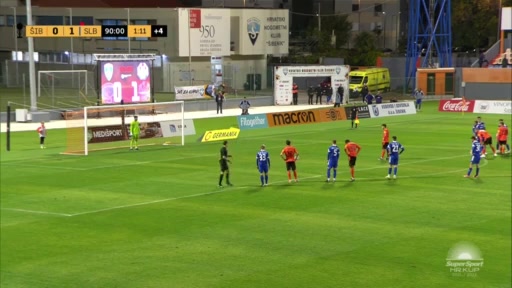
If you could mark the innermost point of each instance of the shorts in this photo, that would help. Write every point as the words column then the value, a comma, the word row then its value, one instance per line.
column 502, row 142
column 41, row 140
column 353, row 118
column 263, row 168
column 290, row 166
column 352, row 161
column 135, row 136
column 393, row 160
column 475, row 159
column 488, row 141
column 332, row 165
column 385, row 145
column 223, row 165
column 418, row 101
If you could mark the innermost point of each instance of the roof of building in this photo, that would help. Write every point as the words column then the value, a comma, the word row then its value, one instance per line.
column 107, row 3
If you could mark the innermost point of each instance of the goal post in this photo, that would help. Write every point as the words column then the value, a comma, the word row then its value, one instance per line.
column 96, row 128
column 63, row 85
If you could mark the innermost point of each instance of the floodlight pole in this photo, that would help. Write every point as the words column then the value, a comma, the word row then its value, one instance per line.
column 128, row 23
column 31, row 64
column 189, row 52
column 15, row 38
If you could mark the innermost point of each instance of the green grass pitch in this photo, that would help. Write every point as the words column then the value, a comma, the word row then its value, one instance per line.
column 155, row 217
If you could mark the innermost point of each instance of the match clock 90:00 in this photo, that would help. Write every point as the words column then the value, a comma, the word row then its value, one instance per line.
column 114, row 31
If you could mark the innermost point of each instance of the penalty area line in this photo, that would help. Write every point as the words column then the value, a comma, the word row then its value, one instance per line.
column 37, row 212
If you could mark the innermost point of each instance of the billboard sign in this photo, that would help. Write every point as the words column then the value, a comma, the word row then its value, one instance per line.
column 264, row 32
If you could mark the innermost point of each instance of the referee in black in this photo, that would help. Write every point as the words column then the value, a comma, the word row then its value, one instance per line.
column 224, row 167
column 353, row 116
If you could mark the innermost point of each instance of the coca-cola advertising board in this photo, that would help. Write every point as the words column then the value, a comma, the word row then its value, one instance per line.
column 456, row 105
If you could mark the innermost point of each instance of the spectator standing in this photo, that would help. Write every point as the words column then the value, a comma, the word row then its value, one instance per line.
column 311, row 93
column 364, row 92
column 219, row 98
column 339, row 96
column 319, row 94
column 378, row 98
column 369, row 98
column 244, row 105
column 295, row 92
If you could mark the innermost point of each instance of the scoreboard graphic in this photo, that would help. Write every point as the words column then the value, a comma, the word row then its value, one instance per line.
column 95, row 31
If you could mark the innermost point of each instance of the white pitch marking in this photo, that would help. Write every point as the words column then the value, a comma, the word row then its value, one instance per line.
column 36, row 212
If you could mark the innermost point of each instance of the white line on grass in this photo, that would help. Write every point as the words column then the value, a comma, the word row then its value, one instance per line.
column 37, row 212
column 243, row 187
column 220, row 190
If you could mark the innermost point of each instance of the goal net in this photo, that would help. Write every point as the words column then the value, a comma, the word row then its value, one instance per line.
column 107, row 127
column 64, row 87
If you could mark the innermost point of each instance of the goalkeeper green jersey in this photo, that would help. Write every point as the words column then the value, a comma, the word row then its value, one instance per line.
column 135, row 127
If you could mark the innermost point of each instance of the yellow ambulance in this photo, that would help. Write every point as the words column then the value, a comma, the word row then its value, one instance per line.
column 377, row 79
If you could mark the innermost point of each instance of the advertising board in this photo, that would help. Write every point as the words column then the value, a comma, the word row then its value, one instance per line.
column 264, row 31
column 174, row 128
column 456, row 105
column 209, row 32
column 392, row 109
column 193, row 92
column 248, row 122
column 493, row 107
column 306, row 117
column 362, row 111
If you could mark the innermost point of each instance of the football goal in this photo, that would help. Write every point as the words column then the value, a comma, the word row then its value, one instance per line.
column 107, row 127
column 68, row 87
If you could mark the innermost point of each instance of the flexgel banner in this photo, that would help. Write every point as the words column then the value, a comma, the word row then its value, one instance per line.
column 392, row 109
column 257, row 121
column 222, row 134
column 193, row 92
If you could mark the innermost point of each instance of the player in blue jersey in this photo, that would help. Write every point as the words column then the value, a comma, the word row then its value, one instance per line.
column 476, row 151
column 394, row 149
column 333, row 155
column 479, row 125
column 263, row 165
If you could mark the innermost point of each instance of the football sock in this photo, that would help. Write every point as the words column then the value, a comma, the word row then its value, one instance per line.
column 477, row 171
column 469, row 171
column 262, row 179
column 328, row 173
column 484, row 151
column 493, row 150
column 395, row 170
column 389, row 171
column 289, row 175
column 352, row 172
column 382, row 154
column 227, row 178
column 295, row 174
column 508, row 147
column 334, row 174
column 352, row 124
column 266, row 179
column 220, row 179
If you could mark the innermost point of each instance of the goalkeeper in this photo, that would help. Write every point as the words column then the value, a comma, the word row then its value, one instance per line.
column 134, row 133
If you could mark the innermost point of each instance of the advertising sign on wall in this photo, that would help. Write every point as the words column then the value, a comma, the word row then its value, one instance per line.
column 493, row 107
column 362, row 111
column 118, row 133
column 209, row 32
column 264, row 32
column 306, row 117
column 193, row 92
column 283, row 79
column 392, row 109
column 257, row 121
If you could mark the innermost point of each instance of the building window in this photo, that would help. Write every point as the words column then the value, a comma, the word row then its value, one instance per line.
column 49, row 20
column 355, row 7
column 377, row 9
column 141, row 22
column 79, row 20
column 19, row 19
column 2, row 20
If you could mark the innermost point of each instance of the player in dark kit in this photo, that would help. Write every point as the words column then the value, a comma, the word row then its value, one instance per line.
column 353, row 115
column 224, row 167
column 263, row 164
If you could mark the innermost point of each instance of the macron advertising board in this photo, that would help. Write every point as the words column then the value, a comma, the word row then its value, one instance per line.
column 392, row 109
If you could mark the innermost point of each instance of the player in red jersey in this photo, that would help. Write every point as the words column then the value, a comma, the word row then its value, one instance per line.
column 41, row 130
column 385, row 142
column 352, row 149
column 502, row 138
column 485, row 139
column 290, row 155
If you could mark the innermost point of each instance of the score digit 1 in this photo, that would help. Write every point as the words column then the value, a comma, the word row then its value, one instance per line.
column 135, row 97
